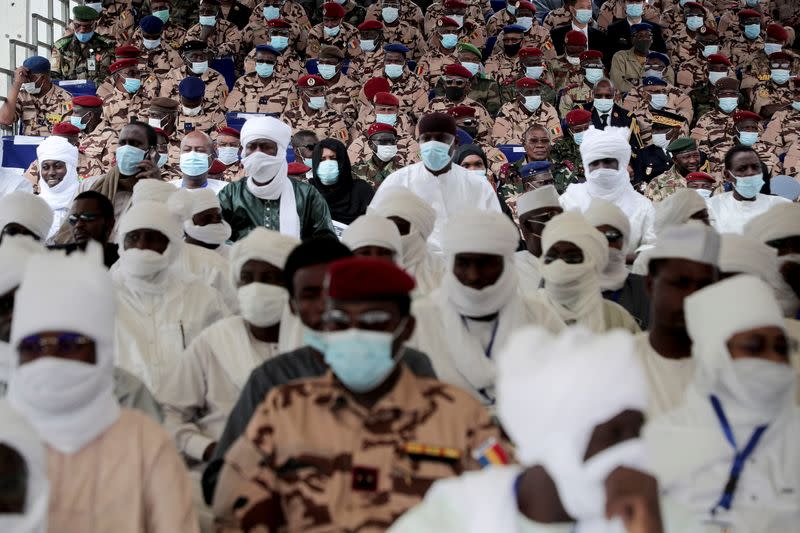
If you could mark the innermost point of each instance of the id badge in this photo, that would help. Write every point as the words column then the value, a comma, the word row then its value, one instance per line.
column 91, row 63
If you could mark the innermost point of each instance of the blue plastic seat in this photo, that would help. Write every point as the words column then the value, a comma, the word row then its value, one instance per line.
column 17, row 155
column 513, row 152
column 78, row 87
column 226, row 67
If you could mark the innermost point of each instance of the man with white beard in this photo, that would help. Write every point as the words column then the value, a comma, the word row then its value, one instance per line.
column 535, row 209
column 206, row 227
column 463, row 324
column 605, row 155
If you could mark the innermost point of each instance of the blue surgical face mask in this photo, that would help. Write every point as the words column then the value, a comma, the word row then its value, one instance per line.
column 658, row 101
column 634, row 10
column 163, row 14
column 151, row 44
column 779, row 75
column 583, row 15
column 728, row 103
column 132, row 84
column 534, row 72
column 314, row 339
column 749, row 186
column 748, row 138
column 367, row 45
column 194, row 163
column 435, row 155
column 532, row 102
column 796, row 105
column 390, row 14
column 265, row 70
column 578, row 137
column 386, row 118
column 228, row 154
column 360, row 359
column 752, row 31
column 199, row 67
column 162, row 160
column 279, row 42
column 332, row 32
column 593, row 75
column 84, row 37
column 316, row 102
column 449, row 40
column 77, row 122
column 710, row 49
column 307, row 161
column 511, row 8
column 127, row 158
column 654, row 73
column 326, row 71
column 694, row 23
column 208, row 20
column 771, row 48
column 328, row 172
column 525, row 22
column 271, row 12
column 473, row 68
column 603, row 105
column 393, row 70
column 714, row 76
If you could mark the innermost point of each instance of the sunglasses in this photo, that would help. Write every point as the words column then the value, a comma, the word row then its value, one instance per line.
column 61, row 345
column 613, row 235
column 85, row 217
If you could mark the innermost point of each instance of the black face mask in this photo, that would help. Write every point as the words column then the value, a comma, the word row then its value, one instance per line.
column 471, row 130
column 641, row 46
column 454, row 93
column 512, row 49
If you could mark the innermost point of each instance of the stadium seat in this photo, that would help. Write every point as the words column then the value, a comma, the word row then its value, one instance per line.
column 19, row 151
column 226, row 67
column 513, row 152
column 78, row 87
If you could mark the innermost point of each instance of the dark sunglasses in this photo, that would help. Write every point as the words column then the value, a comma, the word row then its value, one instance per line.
column 62, row 345
column 85, row 217
column 613, row 235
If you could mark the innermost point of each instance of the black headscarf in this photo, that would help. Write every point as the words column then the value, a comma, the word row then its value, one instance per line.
column 469, row 149
column 348, row 198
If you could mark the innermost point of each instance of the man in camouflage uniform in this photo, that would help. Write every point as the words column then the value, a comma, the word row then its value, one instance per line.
column 294, row 19
column 379, row 152
column 759, row 68
column 681, row 39
column 391, row 10
column 97, row 142
column 314, row 113
column 84, row 55
column 577, row 95
column 704, row 97
column 221, row 36
column 172, row 34
column 456, row 81
column 170, row 170
column 410, row 88
column 566, row 68
column 565, row 155
column 385, row 109
column 775, row 93
column 557, row 17
column 656, row 96
column 473, row 32
column 228, row 149
column 116, row 20
column 436, row 10
column 163, row 115
column 278, row 36
column 333, row 31
column 440, row 53
column 482, row 88
column 748, row 43
column 196, row 112
column 526, row 109
column 354, row 13
column 783, row 130
column 673, row 19
column 504, row 65
column 528, row 177
column 133, row 90
column 692, row 71
column 158, row 56
column 261, row 91
column 613, row 10
column 401, row 29
column 533, row 34
column 196, row 56
column 370, row 473
column 531, row 65
column 34, row 99
column 685, row 159
column 341, row 91
column 370, row 39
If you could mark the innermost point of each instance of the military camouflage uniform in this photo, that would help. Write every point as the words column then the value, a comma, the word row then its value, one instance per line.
column 430, row 67
column 70, row 59
column 564, row 73
column 557, row 17
column 474, row 14
column 442, row 104
column 613, row 10
column 343, row 98
column 767, row 93
column 407, row 150
column 161, row 60
column 407, row 34
column 575, row 96
column 346, row 41
column 287, row 66
column 366, row 65
column 325, row 123
column 759, row 69
column 681, row 45
column 715, row 134
column 40, row 112
column 703, row 101
column 253, row 94
column 791, row 163
column 514, row 119
column 171, row 35
column 184, row 12
column 412, row 92
column 677, row 102
column 216, row 88
column 743, row 52
column 567, row 164
column 408, row 12
column 536, row 37
column 692, row 72
column 504, row 69
column 672, row 20
column 121, row 107
column 366, row 118
column 292, row 12
column 225, row 38
column 783, row 130
column 729, row 25
column 367, row 170
column 664, row 185
column 353, row 13
column 207, row 121
column 99, row 147
column 483, row 89
column 314, row 459
column 116, row 21
column 257, row 33
column 233, row 172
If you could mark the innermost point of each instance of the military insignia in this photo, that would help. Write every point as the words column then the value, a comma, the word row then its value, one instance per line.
column 343, row 134
column 763, row 77
column 310, row 82
column 439, row 23
column 490, row 453
column 365, row 479
column 416, row 450
column 555, row 130
column 53, row 118
column 763, row 93
column 548, row 45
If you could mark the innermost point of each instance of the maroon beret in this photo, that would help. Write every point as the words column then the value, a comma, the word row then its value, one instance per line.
column 574, row 37
column 127, row 51
column 527, row 83
column 311, row 80
column 385, row 98
column 297, row 168
column 217, row 167
column 457, row 70
column 366, row 278
column 227, row 130
column 577, row 117
column 370, row 25
column 742, row 115
column 699, row 176
column 65, row 128
column 529, row 52
column 332, row 9
column 591, row 54
column 374, row 86
column 748, row 13
column 718, row 59
column 379, row 127
column 278, row 23
column 88, row 101
column 461, row 111
column 776, row 31
column 120, row 64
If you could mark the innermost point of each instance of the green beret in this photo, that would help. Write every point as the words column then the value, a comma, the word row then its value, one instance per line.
column 84, row 13
column 681, row 144
column 466, row 47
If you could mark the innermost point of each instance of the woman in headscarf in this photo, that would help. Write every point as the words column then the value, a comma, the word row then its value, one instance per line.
column 347, row 198
column 58, row 177
column 473, row 158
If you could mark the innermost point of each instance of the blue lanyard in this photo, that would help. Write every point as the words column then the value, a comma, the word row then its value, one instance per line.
column 615, row 295
column 726, row 500
column 488, row 351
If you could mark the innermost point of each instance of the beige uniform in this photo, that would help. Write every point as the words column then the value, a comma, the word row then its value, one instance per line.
column 366, row 65
column 613, row 10
column 216, row 88
column 162, row 60
column 39, row 113
column 514, row 119
column 767, row 93
column 225, row 38
column 783, row 130
column 343, row 98
column 557, row 17
column 407, row 150
column 121, row 107
column 99, row 147
column 324, row 122
column 408, row 11
column 206, row 121
column 432, row 64
column 346, row 40
column 441, row 104
column 256, row 33
column 536, row 37
column 171, row 34
column 253, row 94
column 288, row 66
column 504, row 69
column 366, row 118
column 404, row 32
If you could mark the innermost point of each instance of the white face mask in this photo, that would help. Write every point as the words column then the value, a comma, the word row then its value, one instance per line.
column 660, row 140
column 767, row 386
column 31, row 88
column 604, row 181
column 573, row 60
column 192, row 111
column 210, row 233
column 262, row 167
column 143, row 263
column 150, row 44
column 262, row 304
column 386, row 152
column 228, row 154
column 705, row 193
column 480, row 302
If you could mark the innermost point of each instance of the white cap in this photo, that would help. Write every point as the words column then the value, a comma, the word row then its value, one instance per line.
column 536, row 199
column 693, row 241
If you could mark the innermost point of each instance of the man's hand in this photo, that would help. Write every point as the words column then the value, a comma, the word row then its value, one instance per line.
column 21, row 75
column 148, row 170
column 632, row 496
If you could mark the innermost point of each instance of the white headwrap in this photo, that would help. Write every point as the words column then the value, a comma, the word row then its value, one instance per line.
column 552, row 397
column 14, row 254
column 610, row 143
column 26, row 210
column 608, row 184
column 149, row 190
column 263, row 245
column 602, row 213
column 779, row 222
column 677, row 208
column 271, row 170
column 58, row 149
column 69, row 403
column 18, row 435
column 693, row 241
column 373, row 230
column 743, row 255
column 203, row 200
column 546, row 196
column 573, row 290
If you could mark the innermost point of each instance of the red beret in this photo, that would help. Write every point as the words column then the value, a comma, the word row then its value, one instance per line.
column 227, row 130
column 718, row 59
column 366, row 278
column 529, row 52
column 379, row 127
column 217, row 167
column 65, row 128
column 455, row 4
column 741, row 115
column 88, row 101
column 693, row 4
column 446, row 21
column 296, row 168
column 457, row 70
column 127, row 51
column 370, row 25
column 385, row 98
column 120, row 64
column 576, row 38
column 591, row 54
column 311, row 80
column 332, row 9
column 527, row 83
column 780, row 56
column 524, row 4
column 161, row 132
column 278, row 23
column 776, row 31
column 699, row 176
column 577, row 117
column 374, row 86
column 747, row 13
column 461, row 111
column 795, row 80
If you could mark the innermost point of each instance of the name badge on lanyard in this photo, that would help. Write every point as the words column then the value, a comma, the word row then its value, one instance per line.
column 91, row 62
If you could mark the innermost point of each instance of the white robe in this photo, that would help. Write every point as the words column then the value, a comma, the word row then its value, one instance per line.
column 202, row 388
column 667, row 378
column 12, row 180
column 214, row 185
column 636, row 207
column 528, row 270
column 426, row 268
column 211, row 268
column 6, row 362
column 447, row 193
column 729, row 215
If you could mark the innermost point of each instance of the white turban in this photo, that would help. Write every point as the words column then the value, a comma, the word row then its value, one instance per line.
column 373, row 230
column 602, row 212
column 203, row 200
column 263, row 245
column 56, row 148
column 18, row 435
column 610, row 143
column 779, row 222
column 14, row 254
column 743, row 255
column 59, row 149
column 551, row 397
column 573, row 227
column 69, row 403
column 165, row 217
column 26, row 210
column 401, row 202
column 677, row 208
column 546, row 196
column 150, row 190
column 214, row 234
column 267, row 128
column 693, row 241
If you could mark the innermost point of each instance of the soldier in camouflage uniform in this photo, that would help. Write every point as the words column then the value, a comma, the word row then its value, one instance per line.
column 672, row 20
column 342, row 92
column 182, row 12
column 401, row 29
column 657, row 95
column 227, row 146
column 380, row 454
column 133, row 90
column 526, row 109
column 333, row 31
column 163, row 115
column 430, row 66
column 223, row 37
column 532, row 65
column 278, row 36
column 96, row 141
column 557, row 17
column 482, row 88
column 116, row 20
column 776, row 93
column 691, row 70
column 158, row 56
column 526, row 178
column 391, row 10
column 314, row 113
column 385, row 109
column 474, row 14
column 759, row 67
column 613, row 10
column 566, row 68
column 456, row 81
column 686, row 159
column 354, row 13
column 680, row 42
column 197, row 113
column 372, row 163
column 500, row 19
column 504, row 66
column 716, row 128
column 783, row 130
column 534, row 36
column 410, row 88
column 196, row 56
column 565, row 155
column 746, row 42
column 473, row 32
column 172, row 34
column 576, row 96
column 370, row 39
column 704, row 97
column 265, row 18
column 262, row 91
column 84, row 55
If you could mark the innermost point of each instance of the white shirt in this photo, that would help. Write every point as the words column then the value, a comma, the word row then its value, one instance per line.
column 214, row 185
column 210, row 267
column 528, row 269
column 729, row 215
column 447, row 193
column 667, row 378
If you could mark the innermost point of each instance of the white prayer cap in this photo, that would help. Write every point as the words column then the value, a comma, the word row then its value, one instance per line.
column 602, row 212
column 778, row 222
column 546, row 196
column 261, row 244
column 693, row 241
column 743, row 255
column 14, row 254
column 202, row 200
column 26, row 210
column 573, row 227
column 610, row 143
column 56, row 148
column 152, row 190
column 401, row 202
column 481, row 232
column 165, row 217
column 267, row 128
column 677, row 208
column 373, row 230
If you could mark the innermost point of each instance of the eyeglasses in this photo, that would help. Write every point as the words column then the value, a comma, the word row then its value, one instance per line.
column 61, row 345
column 85, row 217
column 375, row 320
column 542, row 218
column 612, row 235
